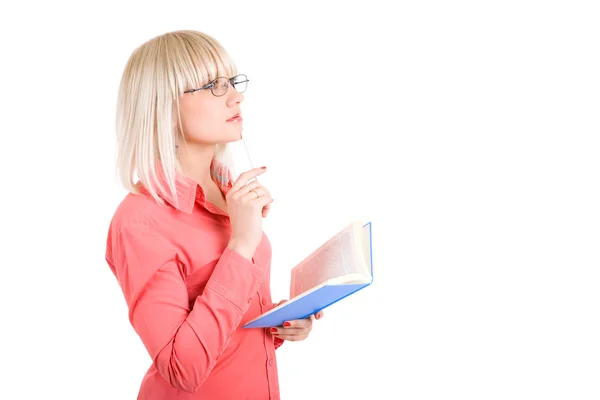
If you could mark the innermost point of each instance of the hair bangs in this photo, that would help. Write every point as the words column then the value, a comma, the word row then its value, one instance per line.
column 197, row 60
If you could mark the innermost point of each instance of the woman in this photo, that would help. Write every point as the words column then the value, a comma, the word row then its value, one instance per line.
column 186, row 244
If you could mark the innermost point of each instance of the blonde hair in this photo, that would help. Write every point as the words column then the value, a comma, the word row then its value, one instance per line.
column 148, row 122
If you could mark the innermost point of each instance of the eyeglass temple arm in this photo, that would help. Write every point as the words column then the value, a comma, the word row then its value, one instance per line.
column 202, row 88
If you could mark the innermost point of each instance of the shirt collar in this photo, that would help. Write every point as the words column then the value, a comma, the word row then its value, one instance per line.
column 188, row 191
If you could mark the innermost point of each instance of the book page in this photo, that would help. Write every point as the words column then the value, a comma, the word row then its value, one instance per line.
column 335, row 258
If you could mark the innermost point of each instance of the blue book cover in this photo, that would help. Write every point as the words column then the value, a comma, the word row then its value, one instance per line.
column 332, row 289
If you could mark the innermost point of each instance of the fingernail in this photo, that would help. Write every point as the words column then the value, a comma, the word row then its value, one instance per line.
column 273, row 329
column 263, row 167
column 286, row 324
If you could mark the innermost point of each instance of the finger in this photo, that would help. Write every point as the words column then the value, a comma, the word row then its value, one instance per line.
column 254, row 193
column 250, row 195
column 246, row 176
column 276, row 331
column 261, row 191
column 248, row 188
column 292, row 338
column 261, row 201
column 266, row 209
column 281, row 302
column 298, row 323
column 319, row 315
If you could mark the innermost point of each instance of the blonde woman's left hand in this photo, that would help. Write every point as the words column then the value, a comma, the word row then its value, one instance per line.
column 295, row 330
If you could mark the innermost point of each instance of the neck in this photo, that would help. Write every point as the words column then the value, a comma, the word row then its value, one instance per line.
column 195, row 160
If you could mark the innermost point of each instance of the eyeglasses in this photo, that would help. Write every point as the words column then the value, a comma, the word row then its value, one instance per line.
column 218, row 87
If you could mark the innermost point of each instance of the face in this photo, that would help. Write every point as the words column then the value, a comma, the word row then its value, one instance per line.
column 207, row 119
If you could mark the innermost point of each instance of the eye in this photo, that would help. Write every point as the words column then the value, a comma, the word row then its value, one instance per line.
column 240, row 83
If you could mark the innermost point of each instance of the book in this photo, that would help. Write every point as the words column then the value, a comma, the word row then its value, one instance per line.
column 340, row 267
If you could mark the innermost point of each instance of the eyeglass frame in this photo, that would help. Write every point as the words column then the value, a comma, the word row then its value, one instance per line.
column 212, row 83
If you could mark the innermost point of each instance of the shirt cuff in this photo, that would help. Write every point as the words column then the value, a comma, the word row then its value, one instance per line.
column 236, row 278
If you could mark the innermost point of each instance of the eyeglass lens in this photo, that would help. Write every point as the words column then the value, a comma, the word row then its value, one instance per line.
column 221, row 85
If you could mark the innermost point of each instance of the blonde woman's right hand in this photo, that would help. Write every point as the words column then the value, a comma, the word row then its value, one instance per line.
column 246, row 202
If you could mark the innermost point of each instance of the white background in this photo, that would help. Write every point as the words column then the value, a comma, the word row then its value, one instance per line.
column 466, row 131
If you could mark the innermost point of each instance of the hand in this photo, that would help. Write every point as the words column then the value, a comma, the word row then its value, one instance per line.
column 246, row 203
column 295, row 330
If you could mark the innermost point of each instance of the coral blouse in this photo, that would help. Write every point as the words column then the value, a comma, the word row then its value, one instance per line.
column 189, row 295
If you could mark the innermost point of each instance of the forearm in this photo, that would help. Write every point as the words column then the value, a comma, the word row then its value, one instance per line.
column 189, row 357
column 187, row 352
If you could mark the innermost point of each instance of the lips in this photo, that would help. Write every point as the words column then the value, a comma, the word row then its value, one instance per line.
column 235, row 117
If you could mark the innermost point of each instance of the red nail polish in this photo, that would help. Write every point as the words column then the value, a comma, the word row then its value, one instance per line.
column 263, row 167
column 286, row 324
column 273, row 329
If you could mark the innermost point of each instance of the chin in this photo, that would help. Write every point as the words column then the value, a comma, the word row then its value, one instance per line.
column 234, row 137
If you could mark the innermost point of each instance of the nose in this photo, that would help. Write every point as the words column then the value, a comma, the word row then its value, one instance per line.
column 234, row 97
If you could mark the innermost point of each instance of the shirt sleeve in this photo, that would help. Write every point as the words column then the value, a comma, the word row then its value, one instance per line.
column 184, row 342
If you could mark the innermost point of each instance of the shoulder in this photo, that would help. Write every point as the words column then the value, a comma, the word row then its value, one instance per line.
column 137, row 214
column 139, row 210
column 137, row 245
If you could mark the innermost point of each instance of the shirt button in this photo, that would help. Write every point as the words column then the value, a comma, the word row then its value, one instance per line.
column 264, row 301
column 249, row 300
column 270, row 362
